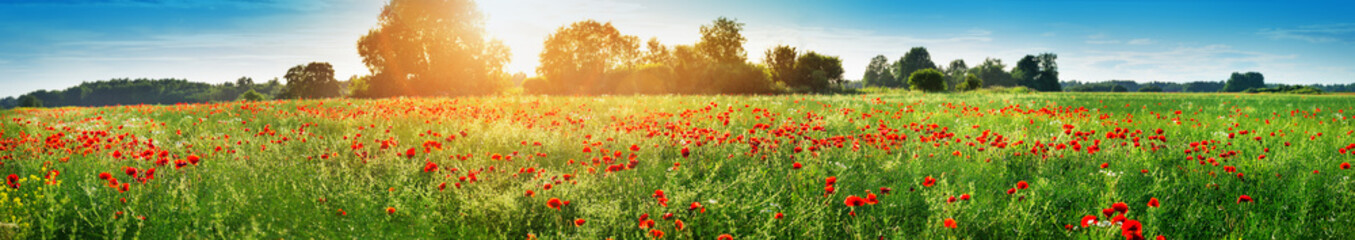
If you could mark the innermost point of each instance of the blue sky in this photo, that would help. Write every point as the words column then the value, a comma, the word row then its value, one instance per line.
column 55, row 44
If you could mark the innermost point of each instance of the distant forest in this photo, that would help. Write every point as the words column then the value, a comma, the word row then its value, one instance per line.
column 142, row 91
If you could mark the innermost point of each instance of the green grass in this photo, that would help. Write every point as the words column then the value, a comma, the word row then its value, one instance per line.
column 270, row 184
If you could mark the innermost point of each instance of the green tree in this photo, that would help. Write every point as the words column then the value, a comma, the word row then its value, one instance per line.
column 314, row 80
column 878, row 74
column 955, row 72
column 818, row 71
column 927, row 80
column 916, row 59
column 576, row 58
column 722, row 41
column 780, row 61
column 1242, row 81
column 971, row 82
column 250, row 96
column 1118, row 88
column 1025, row 72
column 1150, row 88
column 429, row 48
column 1048, row 78
column 30, row 101
column 993, row 73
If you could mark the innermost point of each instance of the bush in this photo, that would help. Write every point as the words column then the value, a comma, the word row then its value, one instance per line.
column 927, row 80
column 971, row 82
column 250, row 96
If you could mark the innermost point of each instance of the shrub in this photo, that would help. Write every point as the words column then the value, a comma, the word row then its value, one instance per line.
column 250, row 96
column 970, row 83
column 927, row 80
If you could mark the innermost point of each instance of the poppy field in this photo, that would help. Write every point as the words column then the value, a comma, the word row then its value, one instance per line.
column 891, row 166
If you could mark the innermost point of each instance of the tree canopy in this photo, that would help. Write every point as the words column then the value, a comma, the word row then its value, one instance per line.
column 878, row 73
column 575, row 59
column 1239, row 82
column 916, row 59
column 313, row 80
column 431, row 48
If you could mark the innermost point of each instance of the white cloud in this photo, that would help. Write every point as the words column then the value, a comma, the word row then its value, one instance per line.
column 1140, row 41
column 1344, row 33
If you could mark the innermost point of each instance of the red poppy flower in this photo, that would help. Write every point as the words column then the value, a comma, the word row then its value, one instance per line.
column 1132, row 229
column 12, row 181
column 696, row 205
column 342, row 213
column 928, row 181
column 430, row 167
column 1120, row 207
column 193, row 159
column 885, row 190
column 554, row 203
column 951, row 199
column 1105, row 165
column 795, row 165
column 854, row 201
column 390, row 210
column 828, row 189
column 410, row 153
column 105, row 175
column 1345, row 165
column 1108, row 212
column 656, row 233
column 964, row 197
column 779, row 216
column 725, row 237
column 1118, row 219
column 950, row 223
column 831, row 180
column 679, row 225
column 1152, row 202
column 578, row 222
column 1243, row 198
column 1011, row 191
column 634, row 148
column 1022, row 185
column 686, row 152
column 131, row 171
column 1088, row 220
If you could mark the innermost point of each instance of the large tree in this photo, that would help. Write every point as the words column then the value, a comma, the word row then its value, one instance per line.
column 1025, row 71
column 780, row 61
column 575, row 58
column 314, row 80
column 993, row 73
column 431, row 47
column 916, row 59
column 818, row 71
column 1242, row 81
column 877, row 73
column 1048, row 79
column 722, row 41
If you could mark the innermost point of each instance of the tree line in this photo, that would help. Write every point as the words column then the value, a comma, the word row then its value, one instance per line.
column 415, row 52
column 1038, row 72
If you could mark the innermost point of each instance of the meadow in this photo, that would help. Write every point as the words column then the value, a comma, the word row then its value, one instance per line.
column 872, row 166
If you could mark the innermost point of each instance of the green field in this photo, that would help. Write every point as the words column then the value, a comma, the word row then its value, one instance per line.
column 338, row 169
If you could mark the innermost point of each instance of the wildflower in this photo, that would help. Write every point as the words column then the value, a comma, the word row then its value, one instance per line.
column 928, row 181
column 578, row 222
column 554, row 203
column 950, row 223
column 1152, row 202
column 854, row 201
